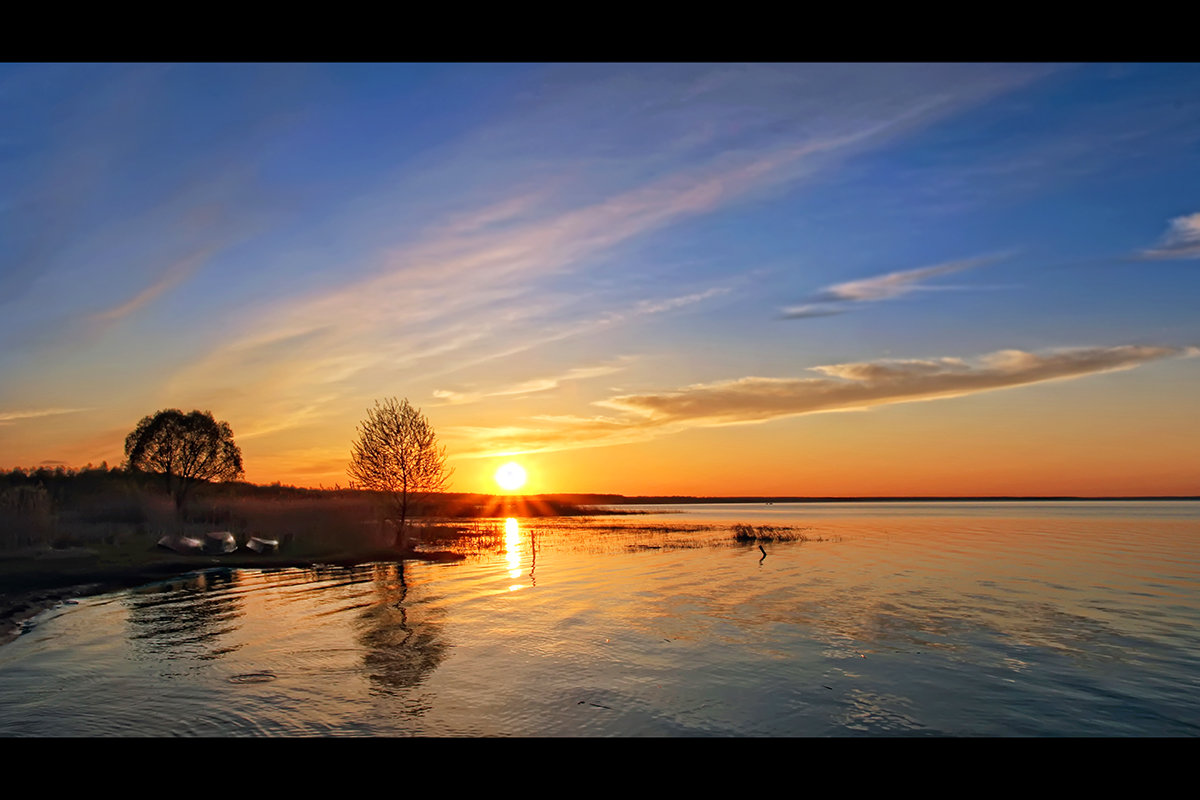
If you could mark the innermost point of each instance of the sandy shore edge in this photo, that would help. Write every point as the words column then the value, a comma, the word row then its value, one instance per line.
column 18, row 608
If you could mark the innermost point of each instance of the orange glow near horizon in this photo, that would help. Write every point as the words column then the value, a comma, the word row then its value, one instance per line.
column 1071, row 438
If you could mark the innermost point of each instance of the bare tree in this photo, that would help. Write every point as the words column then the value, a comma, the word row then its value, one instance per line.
column 184, row 448
column 397, row 455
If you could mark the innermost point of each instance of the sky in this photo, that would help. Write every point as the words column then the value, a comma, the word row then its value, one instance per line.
column 648, row 279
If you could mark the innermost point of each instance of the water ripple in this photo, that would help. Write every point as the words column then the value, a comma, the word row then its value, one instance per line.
column 1068, row 619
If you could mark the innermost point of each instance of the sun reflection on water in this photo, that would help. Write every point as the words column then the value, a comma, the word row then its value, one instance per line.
column 512, row 549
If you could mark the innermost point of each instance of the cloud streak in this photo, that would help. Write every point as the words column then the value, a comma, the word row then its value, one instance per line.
column 842, row 297
column 657, row 306
column 534, row 385
column 9, row 417
column 426, row 302
column 872, row 383
column 1182, row 239
column 171, row 277
column 840, row 387
column 378, row 264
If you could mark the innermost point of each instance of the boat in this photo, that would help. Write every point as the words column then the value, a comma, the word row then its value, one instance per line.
column 187, row 545
column 219, row 542
column 260, row 545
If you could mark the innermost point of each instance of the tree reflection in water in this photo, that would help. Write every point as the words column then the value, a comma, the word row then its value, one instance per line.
column 404, row 646
column 185, row 618
column 533, row 549
column 191, row 620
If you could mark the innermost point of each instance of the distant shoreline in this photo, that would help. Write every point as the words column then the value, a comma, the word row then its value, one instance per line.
column 680, row 500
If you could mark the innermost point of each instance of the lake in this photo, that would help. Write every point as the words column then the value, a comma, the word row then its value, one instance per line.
column 879, row 619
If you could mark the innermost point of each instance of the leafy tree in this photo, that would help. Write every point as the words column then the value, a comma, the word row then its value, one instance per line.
column 183, row 448
column 397, row 455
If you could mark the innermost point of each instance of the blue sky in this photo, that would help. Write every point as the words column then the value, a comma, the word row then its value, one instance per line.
column 545, row 257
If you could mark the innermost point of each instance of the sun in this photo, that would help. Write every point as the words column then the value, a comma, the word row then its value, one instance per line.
column 510, row 476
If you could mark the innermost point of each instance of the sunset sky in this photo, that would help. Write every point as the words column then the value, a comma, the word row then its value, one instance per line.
column 647, row 279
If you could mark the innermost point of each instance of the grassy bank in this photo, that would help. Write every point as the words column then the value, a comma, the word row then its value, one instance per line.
column 64, row 534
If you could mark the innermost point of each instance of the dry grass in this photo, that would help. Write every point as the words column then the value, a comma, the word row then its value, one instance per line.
column 138, row 519
column 749, row 534
column 470, row 535
column 301, row 525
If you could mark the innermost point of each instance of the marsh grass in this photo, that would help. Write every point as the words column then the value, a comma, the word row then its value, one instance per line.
column 26, row 518
column 750, row 534
column 301, row 525
column 33, row 521
column 484, row 536
column 467, row 536
column 601, row 536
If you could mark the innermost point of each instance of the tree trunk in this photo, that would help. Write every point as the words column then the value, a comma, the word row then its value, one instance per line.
column 178, row 491
column 402, row 531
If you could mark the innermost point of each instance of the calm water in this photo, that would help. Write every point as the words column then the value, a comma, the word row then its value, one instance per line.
column 1004, row 619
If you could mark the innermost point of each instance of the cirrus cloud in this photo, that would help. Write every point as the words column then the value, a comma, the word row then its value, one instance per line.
column 9, row 417
column 842, row 297
column 841, row 387
column 1182, row 239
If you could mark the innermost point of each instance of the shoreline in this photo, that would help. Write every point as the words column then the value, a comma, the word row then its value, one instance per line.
column 31, row 588
column 17, row 609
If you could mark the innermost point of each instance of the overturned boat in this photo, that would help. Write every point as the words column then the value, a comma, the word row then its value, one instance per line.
column 260, row 545
column 186, row 545
column 218, row 542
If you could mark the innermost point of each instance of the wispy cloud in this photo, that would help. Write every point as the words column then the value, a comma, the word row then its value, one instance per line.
column 657, row 306
column 842, row 297
column 288, row 418
column 434, row 298
column 842, row 387
column 534, row 385
column 171, row 277
column 1182, row 239
column 866, row 384
column 358, row 281
column 9, row 417
column 546, row 332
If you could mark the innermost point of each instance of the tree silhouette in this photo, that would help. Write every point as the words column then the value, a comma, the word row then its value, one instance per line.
column 184, row 448
column 397, row 455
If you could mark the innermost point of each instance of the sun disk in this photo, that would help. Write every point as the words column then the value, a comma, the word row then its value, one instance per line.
column 510, row 476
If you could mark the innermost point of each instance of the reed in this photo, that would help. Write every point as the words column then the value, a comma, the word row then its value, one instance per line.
column 750, row 534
